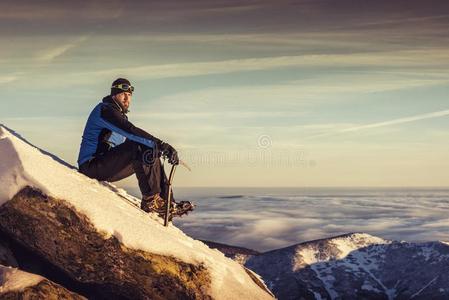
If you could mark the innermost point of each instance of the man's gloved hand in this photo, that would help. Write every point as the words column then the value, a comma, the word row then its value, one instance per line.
column 169, row 152
column 173, row 158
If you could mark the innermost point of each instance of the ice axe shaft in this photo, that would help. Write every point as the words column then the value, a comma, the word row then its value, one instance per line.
column 167, row 206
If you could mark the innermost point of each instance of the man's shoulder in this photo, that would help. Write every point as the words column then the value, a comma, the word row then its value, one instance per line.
column 110, row 112
column 106, row 105
column 100, row 109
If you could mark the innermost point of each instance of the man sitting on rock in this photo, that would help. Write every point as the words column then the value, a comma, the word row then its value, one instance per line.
column 112, row 148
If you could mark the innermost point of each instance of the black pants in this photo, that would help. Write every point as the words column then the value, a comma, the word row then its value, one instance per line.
column 124, row 160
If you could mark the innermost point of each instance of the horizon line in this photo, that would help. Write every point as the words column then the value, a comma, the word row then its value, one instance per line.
column 329, row 186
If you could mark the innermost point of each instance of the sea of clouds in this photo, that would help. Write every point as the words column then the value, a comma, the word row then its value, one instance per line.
column 266, row 219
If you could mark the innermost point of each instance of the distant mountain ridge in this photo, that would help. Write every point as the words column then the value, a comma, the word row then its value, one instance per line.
column 355, row 266
column 239, row 254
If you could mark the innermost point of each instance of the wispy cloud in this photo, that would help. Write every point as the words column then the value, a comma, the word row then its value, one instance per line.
column 50, row 11
column 8, row 78
column 294, row 95
column 393, row 122
column 415, row 58
column 50, row 54
column 399, row 121
column 404, row 20
column 42, row 57
column 202, row 115
column 352, row 40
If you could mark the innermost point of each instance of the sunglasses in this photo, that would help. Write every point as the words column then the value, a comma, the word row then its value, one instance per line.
column 124, row 87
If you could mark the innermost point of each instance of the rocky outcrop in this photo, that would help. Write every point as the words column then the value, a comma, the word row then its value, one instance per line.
column 97, row 242
column 7, row 257
column 53, row 229
column 16, row 284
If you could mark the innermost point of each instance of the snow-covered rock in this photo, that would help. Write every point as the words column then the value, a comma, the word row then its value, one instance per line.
column 356, row 266
column 95, row 233
column 16, row 284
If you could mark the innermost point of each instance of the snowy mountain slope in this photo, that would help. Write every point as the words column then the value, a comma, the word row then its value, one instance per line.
column 112, row 213
column 356, row 266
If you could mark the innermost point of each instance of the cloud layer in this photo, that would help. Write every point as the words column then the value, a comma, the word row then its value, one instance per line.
column 266, row 219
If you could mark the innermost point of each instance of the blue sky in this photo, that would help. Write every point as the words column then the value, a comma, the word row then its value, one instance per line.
column 251, row 93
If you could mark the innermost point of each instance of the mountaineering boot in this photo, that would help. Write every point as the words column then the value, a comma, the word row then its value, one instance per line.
column 154, row 203
column 181, row 208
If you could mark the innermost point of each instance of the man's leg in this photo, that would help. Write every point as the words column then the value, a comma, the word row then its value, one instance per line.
column 121, row 162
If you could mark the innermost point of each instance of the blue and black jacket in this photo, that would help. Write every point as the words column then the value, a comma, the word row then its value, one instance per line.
column 107, row 127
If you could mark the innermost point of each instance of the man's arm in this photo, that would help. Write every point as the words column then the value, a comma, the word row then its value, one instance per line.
column 115, row 121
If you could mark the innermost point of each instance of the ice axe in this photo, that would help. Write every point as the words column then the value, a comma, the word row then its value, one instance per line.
column 182, row 163
column 170, row 181
column 167, row 207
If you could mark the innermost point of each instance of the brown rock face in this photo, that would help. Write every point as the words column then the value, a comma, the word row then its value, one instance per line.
column 54, row 230
column 7, row 257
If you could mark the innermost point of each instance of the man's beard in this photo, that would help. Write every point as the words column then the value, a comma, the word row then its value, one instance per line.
column 123, row 106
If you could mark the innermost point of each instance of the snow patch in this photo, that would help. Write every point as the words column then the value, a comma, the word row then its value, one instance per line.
column 424, row 287
column 307, row 255
column 13, row 279
column 317, row 296
column 355, row 241
column 328, row 282
column 369, row 287
column 427, row 251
